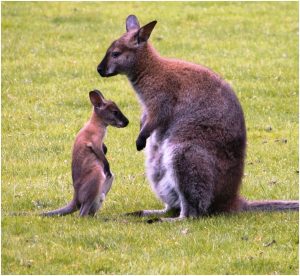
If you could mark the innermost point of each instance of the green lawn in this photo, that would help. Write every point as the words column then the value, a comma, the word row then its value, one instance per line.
column 50, row 52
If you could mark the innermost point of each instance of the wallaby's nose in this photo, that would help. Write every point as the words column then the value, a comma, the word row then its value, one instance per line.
column 100, row 70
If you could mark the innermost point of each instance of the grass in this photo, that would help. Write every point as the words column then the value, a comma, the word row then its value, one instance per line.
column 49, row 56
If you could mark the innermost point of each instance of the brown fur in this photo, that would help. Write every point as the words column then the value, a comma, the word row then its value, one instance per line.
column 91, row 175
column 193, row 126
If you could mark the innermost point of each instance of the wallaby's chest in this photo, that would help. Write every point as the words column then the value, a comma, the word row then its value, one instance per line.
column 160, row 172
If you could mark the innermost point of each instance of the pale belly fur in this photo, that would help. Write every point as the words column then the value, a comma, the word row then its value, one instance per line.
column 160, row 171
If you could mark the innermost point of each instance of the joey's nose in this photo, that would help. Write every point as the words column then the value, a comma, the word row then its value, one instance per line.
column 125, row 123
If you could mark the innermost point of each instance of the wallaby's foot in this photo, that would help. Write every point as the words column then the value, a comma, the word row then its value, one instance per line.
column 144, row 213
column 88, row 209
column 172, row 219
column 150, row 221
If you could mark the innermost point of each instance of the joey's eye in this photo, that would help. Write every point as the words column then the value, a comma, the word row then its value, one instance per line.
column 115, row 54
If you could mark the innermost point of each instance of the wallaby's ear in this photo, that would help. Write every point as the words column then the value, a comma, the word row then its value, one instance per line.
column 144, row 33
column 96, row 98
column 132, row 23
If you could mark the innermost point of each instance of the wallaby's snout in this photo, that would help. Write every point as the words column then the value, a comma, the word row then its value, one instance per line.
column 124, row 53
column 102, row 68
column 119, row 119
column 124, row 122
column 107, row 111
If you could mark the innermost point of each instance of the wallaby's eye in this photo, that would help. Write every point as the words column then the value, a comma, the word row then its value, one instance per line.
column 115, row 112
column 115, row 54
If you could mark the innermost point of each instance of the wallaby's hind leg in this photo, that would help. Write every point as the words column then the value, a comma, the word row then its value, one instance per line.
column 85, row 209
column 186, row 210
column 97, row 204
column 194, row 172
column 91, row 207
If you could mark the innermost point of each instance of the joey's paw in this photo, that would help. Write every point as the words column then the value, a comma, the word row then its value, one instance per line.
column 140, row 143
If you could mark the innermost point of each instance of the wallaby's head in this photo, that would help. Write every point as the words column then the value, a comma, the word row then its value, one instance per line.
column 107, row 111
column 123, row 53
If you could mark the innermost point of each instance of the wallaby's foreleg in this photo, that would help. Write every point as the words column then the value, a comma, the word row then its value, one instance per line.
column 145, row 133
column 101, row 156
column 156, row 116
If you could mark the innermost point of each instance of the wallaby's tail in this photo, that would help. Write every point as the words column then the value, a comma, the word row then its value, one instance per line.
column 70, row 208
column 271, row 205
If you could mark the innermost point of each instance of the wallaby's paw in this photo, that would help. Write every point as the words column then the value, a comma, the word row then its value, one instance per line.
column 140, row 143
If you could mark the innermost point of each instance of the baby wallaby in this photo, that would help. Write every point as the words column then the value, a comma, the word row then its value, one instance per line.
column 91, row 174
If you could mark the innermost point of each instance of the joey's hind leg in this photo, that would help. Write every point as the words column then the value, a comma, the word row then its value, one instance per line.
column 85, row 209
column 90, row 208
column 97, row 204
column 91, row 198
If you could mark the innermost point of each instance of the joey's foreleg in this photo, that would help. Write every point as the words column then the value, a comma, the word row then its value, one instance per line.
column 101, row 156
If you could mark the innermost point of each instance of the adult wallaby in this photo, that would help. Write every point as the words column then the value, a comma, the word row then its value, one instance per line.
column 197, row 136
column 91, row 174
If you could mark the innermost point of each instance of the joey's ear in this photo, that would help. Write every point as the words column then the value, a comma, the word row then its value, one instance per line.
column 132, row 23
column 144, row 33
column 96, row 98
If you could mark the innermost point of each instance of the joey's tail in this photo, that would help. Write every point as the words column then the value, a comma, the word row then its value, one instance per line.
column 68, row 209
column 271, row 205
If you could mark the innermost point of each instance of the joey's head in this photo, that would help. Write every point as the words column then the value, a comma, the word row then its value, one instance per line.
column 107, row 111
column 122, row 55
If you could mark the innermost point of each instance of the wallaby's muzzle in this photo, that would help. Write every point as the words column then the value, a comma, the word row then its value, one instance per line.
column 101, row 70
column 104, row 69
column 124, row 123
